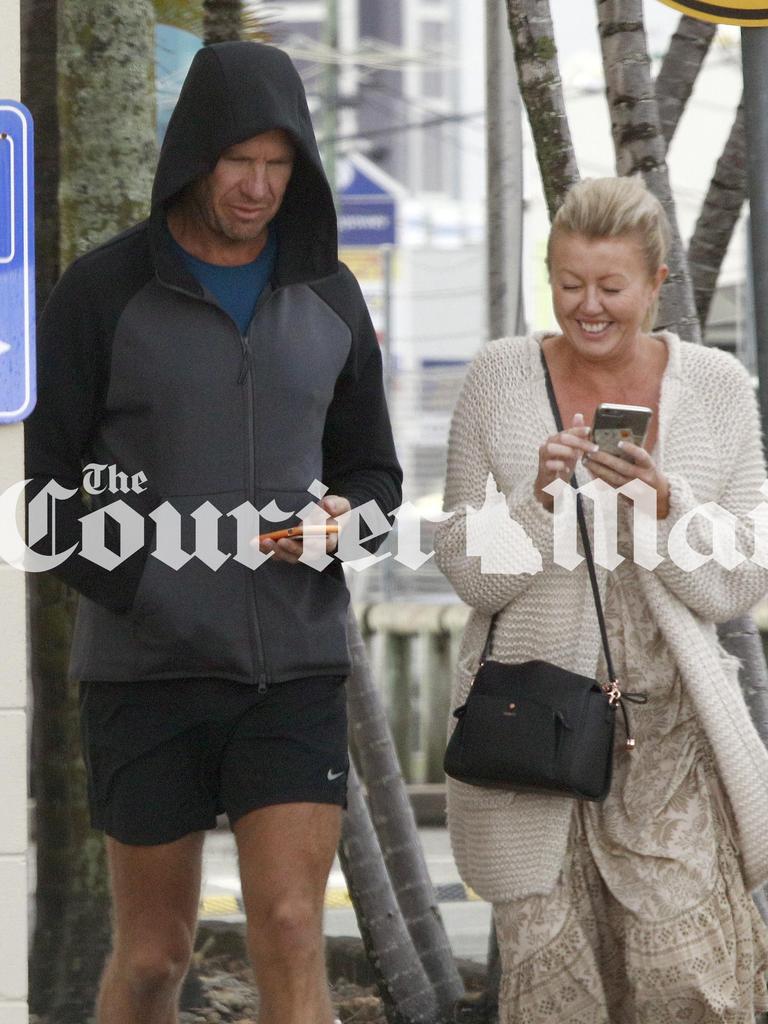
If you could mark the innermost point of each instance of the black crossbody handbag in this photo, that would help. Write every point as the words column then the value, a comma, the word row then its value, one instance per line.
column 536, row 727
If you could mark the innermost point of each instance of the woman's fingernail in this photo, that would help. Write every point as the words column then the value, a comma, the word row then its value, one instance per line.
column 595, row 448
column 620, row 444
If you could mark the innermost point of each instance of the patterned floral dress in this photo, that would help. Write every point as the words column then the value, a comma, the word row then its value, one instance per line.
column 650, row 922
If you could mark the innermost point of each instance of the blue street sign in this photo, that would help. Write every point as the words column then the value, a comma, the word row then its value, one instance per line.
column 367, row 213
column 366, row 223
column 17, row 263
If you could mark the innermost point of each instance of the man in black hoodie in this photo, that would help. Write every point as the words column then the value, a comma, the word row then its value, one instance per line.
column 219, row 354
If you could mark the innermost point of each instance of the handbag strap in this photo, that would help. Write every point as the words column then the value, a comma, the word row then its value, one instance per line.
column 615, row 696
column 583, row 530
column 587, row 550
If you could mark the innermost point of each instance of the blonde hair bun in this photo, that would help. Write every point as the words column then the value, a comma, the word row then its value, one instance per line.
column 611, row 208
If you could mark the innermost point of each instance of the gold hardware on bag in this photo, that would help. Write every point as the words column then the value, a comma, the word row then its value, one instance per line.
column 615, row 696
column 612, row 692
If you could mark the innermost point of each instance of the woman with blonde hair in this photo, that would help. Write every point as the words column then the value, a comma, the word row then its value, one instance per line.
column 636, row 910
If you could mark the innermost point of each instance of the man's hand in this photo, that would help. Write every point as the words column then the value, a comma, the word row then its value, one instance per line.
column 289, row 549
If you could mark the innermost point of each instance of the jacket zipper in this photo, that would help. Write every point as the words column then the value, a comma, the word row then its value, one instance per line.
column 245, row 379
column 262, row 676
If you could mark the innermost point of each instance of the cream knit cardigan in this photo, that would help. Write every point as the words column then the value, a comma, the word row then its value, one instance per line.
column 511, row 845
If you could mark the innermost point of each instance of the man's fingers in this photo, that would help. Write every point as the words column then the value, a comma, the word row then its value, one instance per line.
column 335, row 505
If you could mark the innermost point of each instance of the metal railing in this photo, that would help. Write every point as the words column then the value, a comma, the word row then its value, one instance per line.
column 413, row 650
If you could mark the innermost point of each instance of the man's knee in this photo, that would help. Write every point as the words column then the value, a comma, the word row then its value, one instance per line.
column 150, row 969
column 287, row 926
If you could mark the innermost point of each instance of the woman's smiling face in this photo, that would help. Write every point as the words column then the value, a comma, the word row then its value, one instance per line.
column 601, row 292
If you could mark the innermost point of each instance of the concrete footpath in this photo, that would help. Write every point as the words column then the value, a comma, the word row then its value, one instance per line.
column 466, row 917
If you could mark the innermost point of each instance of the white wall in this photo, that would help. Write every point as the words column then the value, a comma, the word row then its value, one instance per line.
column 13, row 673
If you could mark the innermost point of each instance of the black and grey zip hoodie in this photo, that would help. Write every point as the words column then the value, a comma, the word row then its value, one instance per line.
column 140, row 368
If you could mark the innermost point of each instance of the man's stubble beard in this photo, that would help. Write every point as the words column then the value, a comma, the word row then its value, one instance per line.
column 202, row 209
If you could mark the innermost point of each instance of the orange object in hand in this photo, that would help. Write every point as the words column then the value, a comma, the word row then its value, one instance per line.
column 299, row 532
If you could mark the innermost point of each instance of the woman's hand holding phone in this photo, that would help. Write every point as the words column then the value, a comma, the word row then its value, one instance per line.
column 639, row 465
column 558, row 457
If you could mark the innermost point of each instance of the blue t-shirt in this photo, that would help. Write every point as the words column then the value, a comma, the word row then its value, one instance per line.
column 237, row 289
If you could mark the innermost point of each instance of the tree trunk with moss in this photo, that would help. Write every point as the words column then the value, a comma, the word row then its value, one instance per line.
column 39, row 93
column 49, row 602
column 107, row 152
column 107, row 119
column 640, row 145
column 541, row 88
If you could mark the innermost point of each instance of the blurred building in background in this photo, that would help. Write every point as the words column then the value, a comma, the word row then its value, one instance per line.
column 397, row 90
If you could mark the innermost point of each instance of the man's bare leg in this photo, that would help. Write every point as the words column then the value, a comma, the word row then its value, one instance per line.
column 155, row 897
column 286, row 853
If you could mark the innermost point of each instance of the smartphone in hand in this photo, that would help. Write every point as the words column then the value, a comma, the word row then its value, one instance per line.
column 614, row 423
column 300, row 532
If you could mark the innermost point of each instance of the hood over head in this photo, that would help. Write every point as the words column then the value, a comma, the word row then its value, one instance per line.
column 232, row 92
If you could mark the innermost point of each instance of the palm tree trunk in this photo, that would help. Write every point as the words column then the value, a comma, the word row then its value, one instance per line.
column 680, row 69
column 49, row 610
column 405, row 990
column 718, row 217
column 39, row 92
column 51, row 607
column 640, row 145
column 106, row 112
column 396, row 828
column 541, row 88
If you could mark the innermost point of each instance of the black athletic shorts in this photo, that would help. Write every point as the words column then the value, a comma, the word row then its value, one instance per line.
column 164, row 758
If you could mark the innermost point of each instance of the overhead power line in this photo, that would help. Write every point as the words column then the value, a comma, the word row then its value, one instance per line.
column 408, row 127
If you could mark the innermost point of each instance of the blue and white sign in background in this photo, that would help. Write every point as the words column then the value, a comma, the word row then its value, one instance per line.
column 17, row 263
column 367, row 212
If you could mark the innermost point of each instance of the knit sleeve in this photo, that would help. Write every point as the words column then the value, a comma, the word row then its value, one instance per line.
column 494, row 543
column 718, row 592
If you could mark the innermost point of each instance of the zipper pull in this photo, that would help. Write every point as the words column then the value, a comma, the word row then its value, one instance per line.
column 244, row 366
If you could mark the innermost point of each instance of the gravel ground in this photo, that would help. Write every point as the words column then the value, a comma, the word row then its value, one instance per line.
column 229, row 996
column 220, row 988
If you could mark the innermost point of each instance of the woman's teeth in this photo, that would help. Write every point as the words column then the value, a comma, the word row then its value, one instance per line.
column 592, row 328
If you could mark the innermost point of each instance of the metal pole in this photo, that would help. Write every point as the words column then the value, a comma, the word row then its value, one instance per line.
column 504, row 177
column 331, row 92
column 754, row 56
column 387, row 256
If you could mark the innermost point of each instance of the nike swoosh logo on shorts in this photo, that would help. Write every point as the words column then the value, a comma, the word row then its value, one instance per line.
column 332, row 776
